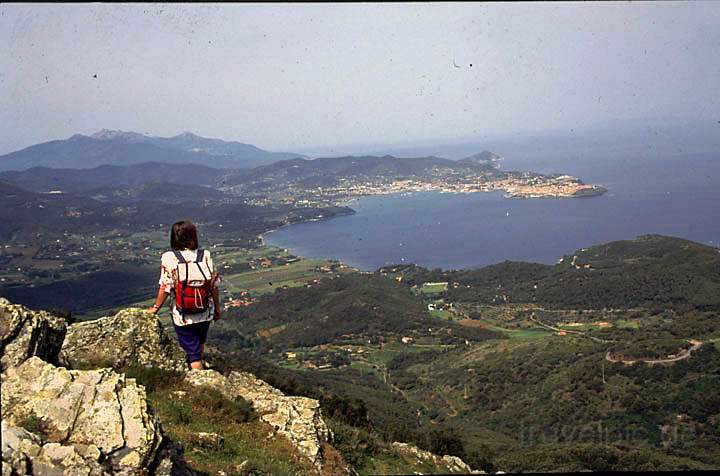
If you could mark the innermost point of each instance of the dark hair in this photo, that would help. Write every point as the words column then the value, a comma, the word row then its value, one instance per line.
column 183, row 236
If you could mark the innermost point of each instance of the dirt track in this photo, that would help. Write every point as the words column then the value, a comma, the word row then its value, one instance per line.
column 696, row 344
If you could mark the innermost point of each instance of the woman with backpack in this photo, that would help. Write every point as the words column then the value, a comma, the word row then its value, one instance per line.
column 187, row 273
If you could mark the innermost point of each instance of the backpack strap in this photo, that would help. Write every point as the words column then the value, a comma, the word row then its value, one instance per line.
column 181, row 260
column 179, row 256
column 198, row 260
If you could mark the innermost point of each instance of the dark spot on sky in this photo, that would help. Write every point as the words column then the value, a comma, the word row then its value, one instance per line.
column 95, row 76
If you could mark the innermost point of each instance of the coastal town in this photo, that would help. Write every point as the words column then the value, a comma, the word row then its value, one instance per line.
column 514, row 185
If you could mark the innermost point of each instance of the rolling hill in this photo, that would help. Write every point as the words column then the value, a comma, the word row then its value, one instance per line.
column 45, row 179
column 26, row 213
column 649, row 271
column 521, row 401
column 334, row 171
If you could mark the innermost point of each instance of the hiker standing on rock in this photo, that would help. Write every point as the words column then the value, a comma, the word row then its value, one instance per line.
column 188, row 275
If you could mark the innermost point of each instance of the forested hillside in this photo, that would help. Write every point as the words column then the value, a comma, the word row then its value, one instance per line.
column 650, row 271
column 572, row 375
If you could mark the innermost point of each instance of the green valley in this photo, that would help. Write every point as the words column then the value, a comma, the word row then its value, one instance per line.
column 431, row 358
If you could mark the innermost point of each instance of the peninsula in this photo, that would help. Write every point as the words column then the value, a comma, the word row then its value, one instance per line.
column 332, row 181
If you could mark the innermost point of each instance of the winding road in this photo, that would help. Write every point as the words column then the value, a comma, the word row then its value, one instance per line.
column 684, row 354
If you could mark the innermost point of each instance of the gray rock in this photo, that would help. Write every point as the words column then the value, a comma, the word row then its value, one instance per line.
column 209, row 440
column 446, row 464
column 25, row 333
column 298, row 419
column 81, row 415
column 132, row 337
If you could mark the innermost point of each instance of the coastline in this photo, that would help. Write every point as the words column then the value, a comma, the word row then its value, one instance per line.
column 306, row 250
column 587, row 192
column 570, row 187
column 261, row 236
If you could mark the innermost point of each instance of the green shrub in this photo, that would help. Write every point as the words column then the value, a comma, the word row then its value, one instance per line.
column 153, row 378
column 177, row 411
column 33, row 424
column 214, row 405
column 356, row 445
column 482, row 458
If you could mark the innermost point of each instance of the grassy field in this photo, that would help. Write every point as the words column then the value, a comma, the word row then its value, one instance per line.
column 266, row 277
column 441, row 314
column 433, row 288
column 585, row 326
column 535, row 333
column 626, row 324
column 267, row 280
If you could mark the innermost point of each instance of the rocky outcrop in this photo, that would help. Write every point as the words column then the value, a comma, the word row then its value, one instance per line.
column 25, row 333
column 298, row 419
column 24, row 453
column 82, row 421
column 87, row 419
column 131, row 337
column 447, row 464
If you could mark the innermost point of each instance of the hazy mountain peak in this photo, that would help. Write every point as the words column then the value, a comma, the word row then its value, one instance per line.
column 118, row 147
column 485, row 157
column 110, row 134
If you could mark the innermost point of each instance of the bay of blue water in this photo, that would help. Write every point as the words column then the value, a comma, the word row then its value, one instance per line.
column 650, row 191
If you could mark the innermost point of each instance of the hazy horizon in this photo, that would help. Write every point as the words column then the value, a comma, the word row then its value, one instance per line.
column 332, row 77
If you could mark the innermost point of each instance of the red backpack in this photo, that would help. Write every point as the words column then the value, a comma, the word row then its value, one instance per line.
column 192, row 289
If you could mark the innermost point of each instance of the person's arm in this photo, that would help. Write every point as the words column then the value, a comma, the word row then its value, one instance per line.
column 165, row 283
column 214, row 290
column 216, row 300
column 159, row 301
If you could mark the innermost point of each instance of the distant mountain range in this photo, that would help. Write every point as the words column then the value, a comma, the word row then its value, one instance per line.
column 308, row 173
column 108, row 147
column 81, row 181
column 331, row 171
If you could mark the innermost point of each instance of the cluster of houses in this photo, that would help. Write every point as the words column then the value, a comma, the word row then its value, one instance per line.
column 244, row 300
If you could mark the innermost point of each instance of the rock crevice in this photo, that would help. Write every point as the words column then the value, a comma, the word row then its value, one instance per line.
column 24, row 333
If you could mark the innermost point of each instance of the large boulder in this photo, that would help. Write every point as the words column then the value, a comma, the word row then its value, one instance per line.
column 25, row 333
column 446, row 464
column 96, row 416
column 298, row 419
column 25, row 453
column 131, row 337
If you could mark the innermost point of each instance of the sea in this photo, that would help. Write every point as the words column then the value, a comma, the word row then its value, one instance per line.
column 651, row 190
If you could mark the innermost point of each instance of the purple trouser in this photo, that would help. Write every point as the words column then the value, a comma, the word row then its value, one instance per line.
column 191, row 339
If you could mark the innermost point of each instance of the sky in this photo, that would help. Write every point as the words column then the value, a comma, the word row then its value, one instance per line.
column 315, row 77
